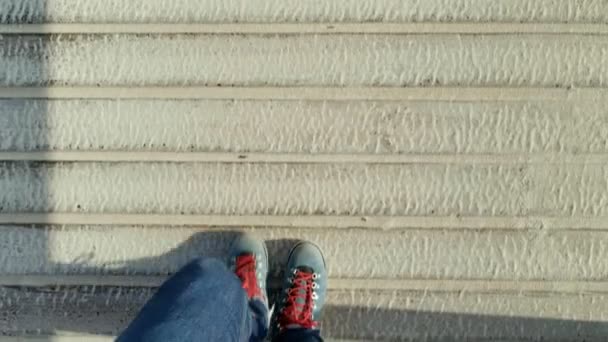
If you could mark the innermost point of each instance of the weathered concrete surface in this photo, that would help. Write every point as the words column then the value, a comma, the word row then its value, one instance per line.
column 374, row 315
column 395, row 254
column 319, row 127
column 479, row 218
column 305, row 189
column 298, row 60
column 220, row 11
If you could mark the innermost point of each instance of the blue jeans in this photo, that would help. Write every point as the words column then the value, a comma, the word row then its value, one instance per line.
column 204, row 301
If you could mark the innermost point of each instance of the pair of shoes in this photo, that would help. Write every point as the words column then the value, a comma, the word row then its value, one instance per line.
column 304, row 284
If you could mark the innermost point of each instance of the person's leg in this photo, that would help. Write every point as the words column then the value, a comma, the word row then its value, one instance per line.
column 303, row 295
column 204, row 301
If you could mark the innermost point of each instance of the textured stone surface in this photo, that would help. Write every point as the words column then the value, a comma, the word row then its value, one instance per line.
column 350, row 253
column 349, row 314
column 537, row 281
column 297, row 60
column 181, row 11
column 305, row 189
column 355, row 127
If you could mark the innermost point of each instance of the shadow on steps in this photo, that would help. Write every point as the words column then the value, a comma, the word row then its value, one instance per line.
column 106, row 311
column 349, row 314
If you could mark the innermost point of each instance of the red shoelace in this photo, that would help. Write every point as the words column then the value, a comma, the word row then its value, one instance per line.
column 299, row 302
column 245, row 270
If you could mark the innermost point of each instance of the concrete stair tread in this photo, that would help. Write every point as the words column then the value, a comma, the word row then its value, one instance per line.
column 276, row 11
column 358, row 128
column 562, row 190
column 349, row 314
column 449, row 158
column 305, row 60
column 431, row 254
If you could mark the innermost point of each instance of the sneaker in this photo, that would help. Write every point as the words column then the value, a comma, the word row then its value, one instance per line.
column 304, row 288
column 249, row 261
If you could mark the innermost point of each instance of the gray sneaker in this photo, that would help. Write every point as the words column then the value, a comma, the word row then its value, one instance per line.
column 304, row 288
column 249, row 261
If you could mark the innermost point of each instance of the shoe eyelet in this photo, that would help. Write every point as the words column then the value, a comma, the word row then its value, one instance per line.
column 315, row 276
column 314, row 285
column 294, row 272
column 314, row 295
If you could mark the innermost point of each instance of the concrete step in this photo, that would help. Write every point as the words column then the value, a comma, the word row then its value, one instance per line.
column 305, row 60
column 436, row 190
column 350, row 314
column 349, row 128
column 449, row 158
column 276, row 11
column 406, row 255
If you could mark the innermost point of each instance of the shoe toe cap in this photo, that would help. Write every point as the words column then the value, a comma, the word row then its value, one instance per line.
column 309, row 255
column 248, row 243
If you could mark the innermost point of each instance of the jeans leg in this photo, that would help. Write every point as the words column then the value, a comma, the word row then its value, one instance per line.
column 261, row 318
column 299, row 335
column 204, row 301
